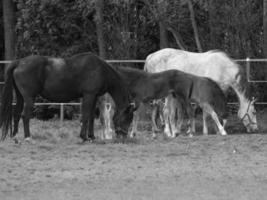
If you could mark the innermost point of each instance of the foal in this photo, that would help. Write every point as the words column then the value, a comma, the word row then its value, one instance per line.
column 145, row 87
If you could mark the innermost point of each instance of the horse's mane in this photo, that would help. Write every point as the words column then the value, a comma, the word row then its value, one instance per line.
column 134, row 71
column 242, row 85
column 131, row 74
column 129, row 69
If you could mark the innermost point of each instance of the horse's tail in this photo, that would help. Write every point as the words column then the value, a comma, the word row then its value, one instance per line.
column 7, row 97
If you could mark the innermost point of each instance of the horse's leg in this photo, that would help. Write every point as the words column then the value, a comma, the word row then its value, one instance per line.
column 108, row 117
column 135, row 123
column 190, row 113
column 166, row 115
column 17, row 112
column 101, row 108
column 194, row 110
column 88, row 113
column 224, row 122
column 209, row 109
column 155, row 112
column 205, row 127
column 173, row 122
column 176, row 116
column 27, row 114
column 180, row 117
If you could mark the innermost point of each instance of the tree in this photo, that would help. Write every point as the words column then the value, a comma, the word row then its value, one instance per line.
column 265, row 28
column 9, row 28
column 99, row 5
column 162, row 7
column 56, row 27
column 194, row 24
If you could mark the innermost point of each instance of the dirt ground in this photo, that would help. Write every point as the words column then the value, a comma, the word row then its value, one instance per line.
column 58, row 166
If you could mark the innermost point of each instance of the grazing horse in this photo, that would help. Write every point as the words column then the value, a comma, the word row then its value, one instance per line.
column 145, row 87
column 83, row 76
column 106, row 107
column 212, row 64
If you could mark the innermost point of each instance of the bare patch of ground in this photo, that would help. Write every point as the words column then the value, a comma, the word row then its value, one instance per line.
column 58, row 166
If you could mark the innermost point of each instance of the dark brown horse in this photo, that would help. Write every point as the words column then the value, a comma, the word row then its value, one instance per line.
column 62, row 80
column 145, row 87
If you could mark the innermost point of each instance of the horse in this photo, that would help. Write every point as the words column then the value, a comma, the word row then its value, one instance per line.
column 145, row 87
column 83, row 76
column 215, row 65
column 106, row 107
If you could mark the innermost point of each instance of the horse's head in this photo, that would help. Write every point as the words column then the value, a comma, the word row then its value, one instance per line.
column 247, row 114
column 122, row 120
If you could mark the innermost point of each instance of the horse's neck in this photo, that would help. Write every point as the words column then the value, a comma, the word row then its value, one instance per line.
column 118, row 92
column 131, row 76
column 241, row 94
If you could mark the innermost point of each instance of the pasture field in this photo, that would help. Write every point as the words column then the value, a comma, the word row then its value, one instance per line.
column 58, row 166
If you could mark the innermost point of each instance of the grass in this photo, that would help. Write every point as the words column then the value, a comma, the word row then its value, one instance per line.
column 55, row 131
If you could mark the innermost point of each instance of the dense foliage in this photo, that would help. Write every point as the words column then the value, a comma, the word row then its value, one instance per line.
column 65, row 27
column 133, row 28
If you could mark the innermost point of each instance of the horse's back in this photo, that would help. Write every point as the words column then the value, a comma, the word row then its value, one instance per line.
column 29, row 71
column 61, row 79
column 213, row 64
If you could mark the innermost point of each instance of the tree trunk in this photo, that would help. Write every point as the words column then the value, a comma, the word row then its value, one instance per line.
column 265, row 28
column 212, row 17
column 161, row 11
column 9, row 29
column 194, row 24
column 163, row 35
column 99, row 4
column 177, row 38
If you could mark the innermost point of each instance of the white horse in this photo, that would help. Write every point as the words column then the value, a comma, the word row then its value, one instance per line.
column 106, row 107
column 212, row 64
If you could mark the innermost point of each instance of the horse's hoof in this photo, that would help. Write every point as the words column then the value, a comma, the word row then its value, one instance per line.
column 157, row 129
column 177, row 134
column 29, row 140
column 88, row 140
column 91, row 137
column 224, row 133
column 84, row 138
column 132, row 135
column 16, row 140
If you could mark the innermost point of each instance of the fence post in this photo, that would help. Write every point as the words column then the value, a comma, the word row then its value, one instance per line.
column 61, row 112
column 248, row 68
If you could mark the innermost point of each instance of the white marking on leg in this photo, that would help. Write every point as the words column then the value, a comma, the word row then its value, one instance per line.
column 29, row 140
column 107, row 119
column 134, row 125
column 166, row 115
column 216, row 120
column 205, row 128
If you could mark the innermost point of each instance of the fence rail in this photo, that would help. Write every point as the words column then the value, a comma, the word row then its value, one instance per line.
column 247, row 61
